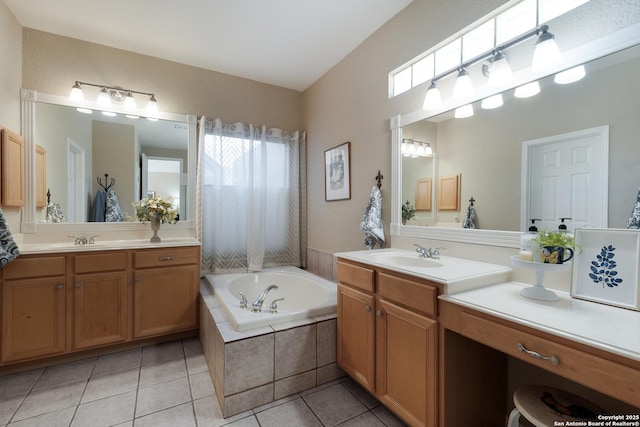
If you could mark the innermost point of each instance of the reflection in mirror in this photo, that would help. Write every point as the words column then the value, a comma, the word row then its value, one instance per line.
column 84, row 147
column 486, row 149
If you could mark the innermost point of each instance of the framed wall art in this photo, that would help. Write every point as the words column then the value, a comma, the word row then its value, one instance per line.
column 606, row 267
column 337, row 173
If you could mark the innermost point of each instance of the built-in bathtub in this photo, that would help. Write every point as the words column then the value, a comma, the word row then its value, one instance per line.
column 305, row 295
column 287, row 353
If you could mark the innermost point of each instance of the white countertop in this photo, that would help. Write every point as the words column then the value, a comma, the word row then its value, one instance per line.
column 104, row 245
column 456, row 274
column 613, row 329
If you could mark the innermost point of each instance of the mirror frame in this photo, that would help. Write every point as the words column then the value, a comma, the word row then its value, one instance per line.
column 28, row 100
column 611, row 43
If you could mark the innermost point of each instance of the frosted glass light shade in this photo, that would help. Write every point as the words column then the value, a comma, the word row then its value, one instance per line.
column 527, row 90
column 464, row 87
column 547, row 54
column 76, row 93
column 104, row 100
column 492, row 102
column 500, row 71
column 433, row 99
column 571, row 75
column 152, row 105
column 464, row 111
column 129, row 101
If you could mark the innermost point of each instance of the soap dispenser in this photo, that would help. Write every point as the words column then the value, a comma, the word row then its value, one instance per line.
column 528, row 248
column 563, row 227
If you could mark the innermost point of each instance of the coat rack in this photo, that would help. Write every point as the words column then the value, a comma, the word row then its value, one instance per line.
column 379, row 179
column 106, row 179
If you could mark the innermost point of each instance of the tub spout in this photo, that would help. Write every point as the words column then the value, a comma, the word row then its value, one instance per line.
column 257, row 304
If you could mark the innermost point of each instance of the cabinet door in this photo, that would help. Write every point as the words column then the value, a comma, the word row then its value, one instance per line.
column 356, row 335
column 41, row 177
column 33, row 318
column 406, row 370
column 12, row 169
column 100, row 309
column 165, row 300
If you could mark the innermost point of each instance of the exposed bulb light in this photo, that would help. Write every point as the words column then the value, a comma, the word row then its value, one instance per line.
column 500, row 72
column 463, row 112
column 547, row 54
column 413, row 149
column 527, row 90
column 152, row 105
column 76, row 93
column 433, row 99
column 104, row 100
column 492, row 102
column 464, row 87
column 571, row 75
column 129, row 101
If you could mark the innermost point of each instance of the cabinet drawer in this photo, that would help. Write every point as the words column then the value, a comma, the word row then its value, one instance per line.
column 408, row 293
column 105, row 261
column 359, row 277
column 166, row 257
column 604, row 375
column 26, row 267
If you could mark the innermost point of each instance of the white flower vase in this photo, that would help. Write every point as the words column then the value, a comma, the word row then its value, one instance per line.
column 155, row 226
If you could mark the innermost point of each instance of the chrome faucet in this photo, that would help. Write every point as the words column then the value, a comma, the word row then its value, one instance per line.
column 257, row 304
column 422, row 251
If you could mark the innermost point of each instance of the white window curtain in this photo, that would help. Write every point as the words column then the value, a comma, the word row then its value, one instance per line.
column 251, row 197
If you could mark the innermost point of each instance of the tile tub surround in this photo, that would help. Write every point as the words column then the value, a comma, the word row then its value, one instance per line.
column 262, row 365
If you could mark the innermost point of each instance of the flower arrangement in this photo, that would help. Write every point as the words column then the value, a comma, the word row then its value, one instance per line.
column 556, row 238
column 149, row 207
column 408, row 211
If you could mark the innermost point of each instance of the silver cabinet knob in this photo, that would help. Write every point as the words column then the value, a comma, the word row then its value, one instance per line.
column 379, row 313
column 78, row 285
column 60, row 287
column 367, row 308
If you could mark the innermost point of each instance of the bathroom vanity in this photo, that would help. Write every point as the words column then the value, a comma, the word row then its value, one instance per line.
column 58, row 300
column 432, row 338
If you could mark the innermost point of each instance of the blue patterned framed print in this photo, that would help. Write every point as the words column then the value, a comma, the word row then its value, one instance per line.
column 606, row 266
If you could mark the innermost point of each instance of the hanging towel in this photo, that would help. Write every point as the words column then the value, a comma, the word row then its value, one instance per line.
column 54, row 213
column 634, row 220
column 372, row 220
column 113, row 212
column 99, row 206
column 8, row 248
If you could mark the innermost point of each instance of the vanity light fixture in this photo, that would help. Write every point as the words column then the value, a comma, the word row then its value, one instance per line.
column 571, row 75
column 411, row 148
column 492, row 102
column 546, row 55
column 463, row 112
column 118, row 94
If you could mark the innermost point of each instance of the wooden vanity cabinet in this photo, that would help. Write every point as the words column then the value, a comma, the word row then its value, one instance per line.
column 387, row 338
column 166, row 286
column 33, row 308
column 100, row 314
column 12, row 168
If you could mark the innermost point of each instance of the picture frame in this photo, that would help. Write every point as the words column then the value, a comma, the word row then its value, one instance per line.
column 337, row 173
column 606, row 267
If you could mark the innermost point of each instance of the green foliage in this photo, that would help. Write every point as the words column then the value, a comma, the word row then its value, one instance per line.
column 149, row 207
column 555, row 238
column 408, row 211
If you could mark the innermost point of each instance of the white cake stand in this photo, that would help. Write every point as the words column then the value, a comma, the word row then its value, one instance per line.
column 538, row 291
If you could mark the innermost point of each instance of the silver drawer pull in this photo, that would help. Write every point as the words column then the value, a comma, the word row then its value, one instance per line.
column 379, row 313
column 553, row 359
column 166, row 258
column 367, row 308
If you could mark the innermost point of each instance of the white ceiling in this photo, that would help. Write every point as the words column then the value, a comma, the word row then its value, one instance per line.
column 288, row 43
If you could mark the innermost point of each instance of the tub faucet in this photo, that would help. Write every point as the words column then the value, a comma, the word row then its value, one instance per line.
column 257, row 304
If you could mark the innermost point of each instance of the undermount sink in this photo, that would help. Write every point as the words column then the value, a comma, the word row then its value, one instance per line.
column 406, row 260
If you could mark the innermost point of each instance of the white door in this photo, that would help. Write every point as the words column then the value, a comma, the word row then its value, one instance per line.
column 76, row 199
column 566, row 176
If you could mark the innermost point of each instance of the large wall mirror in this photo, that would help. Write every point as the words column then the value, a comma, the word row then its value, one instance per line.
column 86, row 153
column 486, row 150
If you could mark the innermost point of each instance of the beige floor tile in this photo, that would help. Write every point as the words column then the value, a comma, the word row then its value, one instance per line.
column 122, row 361
column 162, row 371
column 201, row 385
column 50, row 399
column 61, row 418
column 245, row 422
column 162, row 352
column 192, row 347
column 106, row 412
column 209, row 414
column 362, row 395
column 364, row 420
column 111, row 385
column 182, row 416
column 196, row 363
column 19, row 383
column 291, row 414
column 65, row 374
column 9, row 406
column 162, row 396
column 334, row 405
column 387, row 417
